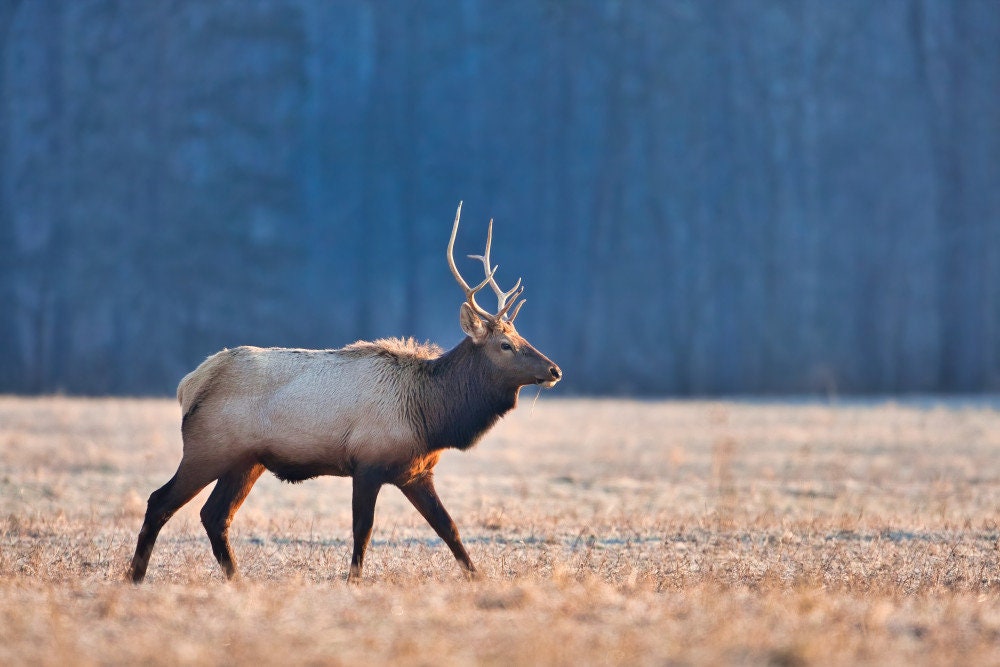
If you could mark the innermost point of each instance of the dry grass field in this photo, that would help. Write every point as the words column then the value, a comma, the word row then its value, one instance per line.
column 609, row 532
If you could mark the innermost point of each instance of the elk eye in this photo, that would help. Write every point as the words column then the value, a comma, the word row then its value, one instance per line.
column 505, row 346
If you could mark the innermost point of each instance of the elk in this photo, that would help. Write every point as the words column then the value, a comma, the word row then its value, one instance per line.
column 379, row 412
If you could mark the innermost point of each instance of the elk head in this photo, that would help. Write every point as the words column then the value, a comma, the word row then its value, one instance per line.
column 513, row 358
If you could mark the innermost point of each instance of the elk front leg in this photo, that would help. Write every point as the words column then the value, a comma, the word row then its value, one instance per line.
column 421, row 493
column 366, row 487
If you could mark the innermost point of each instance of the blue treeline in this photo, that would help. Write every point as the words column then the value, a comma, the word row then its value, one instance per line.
column 703, row 197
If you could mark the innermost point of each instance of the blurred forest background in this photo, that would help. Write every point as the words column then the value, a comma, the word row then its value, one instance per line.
column 703, row 197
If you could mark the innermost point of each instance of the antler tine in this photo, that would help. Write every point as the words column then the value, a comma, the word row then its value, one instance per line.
column 517, row 309
column 502, row 296
column 470, row 292
column 505, row 308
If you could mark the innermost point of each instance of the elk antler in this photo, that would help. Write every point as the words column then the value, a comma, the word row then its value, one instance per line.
column 502, row 304
column 470, row 292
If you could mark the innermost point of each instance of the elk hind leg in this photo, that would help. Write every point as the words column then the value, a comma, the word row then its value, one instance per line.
column 163, row 503
column 217, row 514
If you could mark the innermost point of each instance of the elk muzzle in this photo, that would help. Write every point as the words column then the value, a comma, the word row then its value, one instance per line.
column 549, row 381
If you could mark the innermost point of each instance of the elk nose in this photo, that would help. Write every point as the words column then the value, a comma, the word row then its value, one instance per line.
column 555, row 372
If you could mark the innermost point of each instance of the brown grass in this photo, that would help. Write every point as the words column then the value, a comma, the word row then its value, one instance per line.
column 609, row 532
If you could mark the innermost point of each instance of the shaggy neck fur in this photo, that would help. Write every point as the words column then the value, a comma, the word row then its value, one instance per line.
column 467, row 397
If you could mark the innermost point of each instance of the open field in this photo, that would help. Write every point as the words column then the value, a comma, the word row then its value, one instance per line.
column 609, row 531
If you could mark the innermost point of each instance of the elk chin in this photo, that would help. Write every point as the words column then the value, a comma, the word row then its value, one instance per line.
column 547, row 384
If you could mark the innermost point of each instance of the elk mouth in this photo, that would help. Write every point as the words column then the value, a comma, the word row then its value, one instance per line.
column 549, row 381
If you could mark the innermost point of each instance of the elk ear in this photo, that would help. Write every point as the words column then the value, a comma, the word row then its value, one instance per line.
column 472, row 324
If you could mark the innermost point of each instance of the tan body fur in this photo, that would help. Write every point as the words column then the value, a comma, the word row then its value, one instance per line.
column 332, row 409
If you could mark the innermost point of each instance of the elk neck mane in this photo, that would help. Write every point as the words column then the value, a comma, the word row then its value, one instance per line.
column 461, row 398
column 453, row 397
column 398, row 350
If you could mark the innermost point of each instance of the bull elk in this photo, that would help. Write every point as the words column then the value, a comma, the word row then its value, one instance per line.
column 379, row 412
